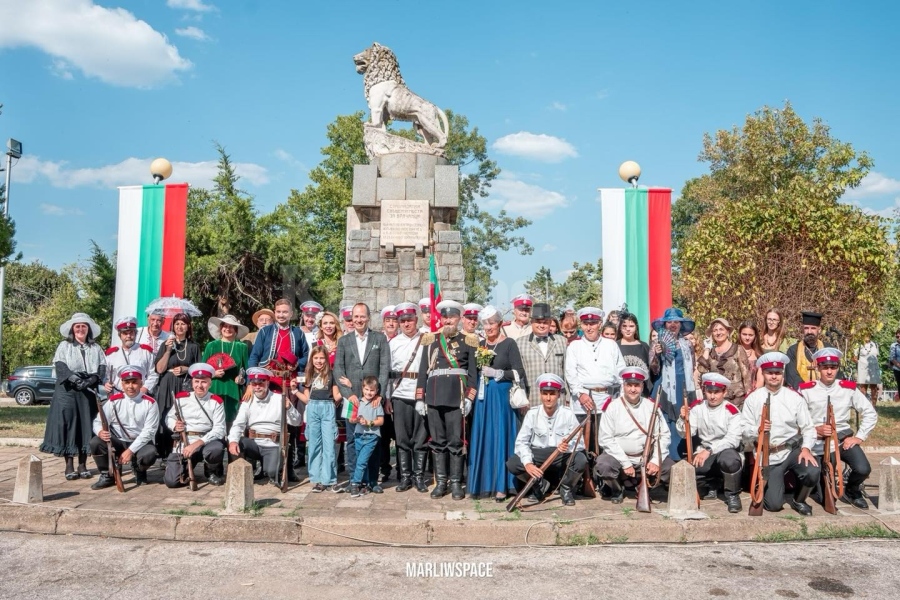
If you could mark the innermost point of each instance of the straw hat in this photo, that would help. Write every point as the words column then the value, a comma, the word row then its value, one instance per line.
column 215, row 327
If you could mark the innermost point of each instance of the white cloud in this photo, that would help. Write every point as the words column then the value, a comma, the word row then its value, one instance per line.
column 885, row 213
column 195, row 5
column 54, row 210
column 288, row 158
column 536, row 146
column 520, row 198
column 131, row 171
column 548, row 248
column 110, row 44
column 195, row 33
column 874, row 184
column 556, row 105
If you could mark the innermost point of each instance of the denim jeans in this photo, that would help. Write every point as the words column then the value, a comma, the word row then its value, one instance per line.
column 366, row 463
column 321, row 431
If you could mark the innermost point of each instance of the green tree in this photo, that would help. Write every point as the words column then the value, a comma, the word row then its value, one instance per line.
column 7, row 233
column 773, row 232
column 543, row 288
column 98, row 286
column 584, row 285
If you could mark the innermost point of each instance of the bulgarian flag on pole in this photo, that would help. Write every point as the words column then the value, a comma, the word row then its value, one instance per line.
column 435, row 295
column 637, row 251
column 150, row 254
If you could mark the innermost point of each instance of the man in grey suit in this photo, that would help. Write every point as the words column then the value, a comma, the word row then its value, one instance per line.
column 360, row 353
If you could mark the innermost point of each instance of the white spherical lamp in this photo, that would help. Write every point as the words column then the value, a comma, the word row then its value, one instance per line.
column 630, row 172
column 160, row 169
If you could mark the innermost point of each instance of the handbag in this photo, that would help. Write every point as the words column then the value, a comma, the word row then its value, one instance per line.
column 517, row 396
column 176, row 474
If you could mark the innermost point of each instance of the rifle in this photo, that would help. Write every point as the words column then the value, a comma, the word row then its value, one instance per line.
column 643, row 495
column 114, row 465
column 184, row 444
column 689, row 443
column 833, row 471
column 587, row 486
column 285, row 371
column 515, row 501
column 761, row 468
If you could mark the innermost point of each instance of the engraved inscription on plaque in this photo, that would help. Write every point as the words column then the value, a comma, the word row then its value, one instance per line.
column 404, row 222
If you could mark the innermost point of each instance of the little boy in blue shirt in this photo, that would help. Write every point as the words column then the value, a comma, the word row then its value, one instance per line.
column 369, row 420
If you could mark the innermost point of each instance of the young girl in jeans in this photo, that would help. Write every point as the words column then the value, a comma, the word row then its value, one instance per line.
column 320, row 393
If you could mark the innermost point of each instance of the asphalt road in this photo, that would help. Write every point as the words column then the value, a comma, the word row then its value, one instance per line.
column 71, row 568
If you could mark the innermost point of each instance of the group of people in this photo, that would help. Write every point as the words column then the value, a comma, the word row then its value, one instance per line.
column 478, row 401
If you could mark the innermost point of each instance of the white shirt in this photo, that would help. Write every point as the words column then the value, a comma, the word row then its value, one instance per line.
column 540, row 430
column 515, row 331
column 592, row 365
column 117, row 357
column 619, row 436
column 263, row 416
column 311, row 337
column 787, row 412
column 144, row 337
column 844, row 395
column 130, row 419
column 195, row 419
column 719, row 428
column 361, row 344
column 401, row 349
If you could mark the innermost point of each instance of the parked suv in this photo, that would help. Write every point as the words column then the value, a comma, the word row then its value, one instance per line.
column 31, row 385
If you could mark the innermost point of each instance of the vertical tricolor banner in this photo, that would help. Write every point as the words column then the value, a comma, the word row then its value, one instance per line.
column 637, row 251
column 434, row 294
column 150, row 256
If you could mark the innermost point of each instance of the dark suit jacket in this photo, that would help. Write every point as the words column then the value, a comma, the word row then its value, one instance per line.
column 348, row 363
column 260, row 354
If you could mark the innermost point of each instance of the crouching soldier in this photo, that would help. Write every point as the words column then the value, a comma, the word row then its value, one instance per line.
column 843, row 396
column 204, row 422
column 260, row 418
column 718, row 425
column 133, row 420
column 544, row 429
column 623, row 432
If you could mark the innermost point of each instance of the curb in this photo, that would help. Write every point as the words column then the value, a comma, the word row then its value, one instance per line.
column 420, row 533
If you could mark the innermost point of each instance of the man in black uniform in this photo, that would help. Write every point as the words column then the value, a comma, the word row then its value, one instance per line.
column 802, row 367
column 444, row 393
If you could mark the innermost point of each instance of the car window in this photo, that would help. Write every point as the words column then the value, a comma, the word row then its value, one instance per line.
column 44, row 372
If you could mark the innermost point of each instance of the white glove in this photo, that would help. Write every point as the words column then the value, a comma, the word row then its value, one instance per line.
column 496, row 374
column 421, row 408
column 467, row 407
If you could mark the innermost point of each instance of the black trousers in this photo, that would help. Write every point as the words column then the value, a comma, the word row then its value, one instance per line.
column 860, row 469
column 145, row 457
column 383, row 451
column 409, row 426
column 607, row 467
column 445, row 426
column 726, row 461
column 269, row 455
column 807, row 476
column 555, row 473
column 213, row 453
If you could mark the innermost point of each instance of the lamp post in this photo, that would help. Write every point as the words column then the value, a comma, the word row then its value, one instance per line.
column 13, row 150
column 630, row 172
column 160, row 169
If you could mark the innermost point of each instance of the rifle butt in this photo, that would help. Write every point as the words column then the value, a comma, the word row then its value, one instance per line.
column 828, row 499
column 117, row 474
column 643, row 494
column 756, row 510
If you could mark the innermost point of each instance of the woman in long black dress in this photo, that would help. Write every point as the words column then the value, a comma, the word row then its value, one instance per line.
column 80, row 366
column 177, row 353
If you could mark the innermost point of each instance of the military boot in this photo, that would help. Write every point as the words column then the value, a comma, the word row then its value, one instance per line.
column 440, row 472
column 732, row 483
column 798, row 501
column 213, row 475
column 457, row 464
column 616, row 491
column 404, row 465
column 420, row 458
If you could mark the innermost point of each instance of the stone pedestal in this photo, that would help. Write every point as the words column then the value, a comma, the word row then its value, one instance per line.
column 404, row 207
column 29, row 481
column 888, row 486
column 239, row 487
column 682, row 503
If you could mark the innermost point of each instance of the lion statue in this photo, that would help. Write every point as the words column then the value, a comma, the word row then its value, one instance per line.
column 390, row 99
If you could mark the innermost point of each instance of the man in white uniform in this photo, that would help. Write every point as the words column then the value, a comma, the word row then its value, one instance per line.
column 127, row 354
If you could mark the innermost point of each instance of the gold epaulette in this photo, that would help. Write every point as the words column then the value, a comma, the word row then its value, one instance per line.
column 428, row 338
column 472, row 340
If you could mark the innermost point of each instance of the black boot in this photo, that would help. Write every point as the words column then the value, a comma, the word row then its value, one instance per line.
column 798, row 501
column 457, row 464
column 419, row 459
column 616, row 491
column 440, row 472
column 565, row 493
column 404, row 460
column 212, row 474
column 105, row 481
column 140, row 477
column 732, row 483
column 854, row 497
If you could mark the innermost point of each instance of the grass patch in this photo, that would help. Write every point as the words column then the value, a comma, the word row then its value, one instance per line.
column 179, row 512
column 627, row 511
column 515, row 515
column 208, row 513
column 196, row 503
column 182, row 512
column 23, row 421
column 256, row 510
column 829, row 532
column 479, row 508
column 887, row 431
column 590, row 539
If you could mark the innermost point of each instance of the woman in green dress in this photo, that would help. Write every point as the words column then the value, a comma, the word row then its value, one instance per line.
column 228, row 381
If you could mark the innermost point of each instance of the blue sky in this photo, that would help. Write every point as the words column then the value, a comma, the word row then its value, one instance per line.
column 563, row 93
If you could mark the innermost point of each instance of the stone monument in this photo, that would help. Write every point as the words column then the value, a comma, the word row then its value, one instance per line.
column 405, row 201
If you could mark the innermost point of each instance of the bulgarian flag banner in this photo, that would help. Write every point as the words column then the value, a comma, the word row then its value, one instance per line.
column 150, row 255
column 435, row 296
column 637, row 251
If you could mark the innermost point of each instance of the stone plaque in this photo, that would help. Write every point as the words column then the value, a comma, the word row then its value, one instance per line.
column 404, row 222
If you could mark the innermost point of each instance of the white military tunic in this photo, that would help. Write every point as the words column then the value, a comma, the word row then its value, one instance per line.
column 401, row 349
column 844, row 396
column 592, row 365
column 540, row 430
column 719, row 428
column 139, row 354
column 130, row 419
column 262, row 416
column 212, row 427
column 788, row 414
column 620, row 437
column 144, row 337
